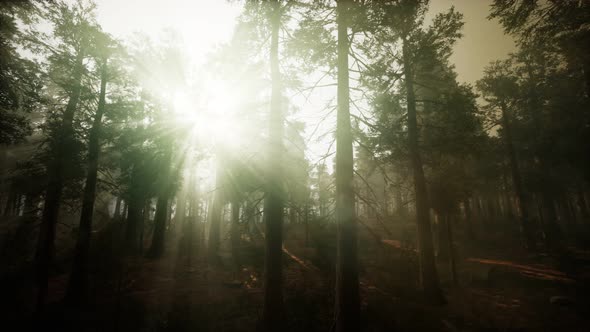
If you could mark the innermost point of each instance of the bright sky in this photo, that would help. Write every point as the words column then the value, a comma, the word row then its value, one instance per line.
column 483, row 40
column 204, row 24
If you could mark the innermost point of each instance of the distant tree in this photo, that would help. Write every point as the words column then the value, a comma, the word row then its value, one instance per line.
column 347, row 307
column 67, row 49
column 497, row 87
column 19, row 80
column 274, row 196
column 77, row 286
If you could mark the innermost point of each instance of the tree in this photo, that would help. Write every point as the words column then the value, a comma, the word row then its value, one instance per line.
column 72, row 26
column 347, row 307
column 423, row 52
column 563, row 22
column 273, row 203
column 497, row 87
column 77, row 285
column 19, row 83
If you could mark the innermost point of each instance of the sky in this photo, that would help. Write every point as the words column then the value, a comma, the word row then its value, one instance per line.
column 205, row 24
column 483, row 40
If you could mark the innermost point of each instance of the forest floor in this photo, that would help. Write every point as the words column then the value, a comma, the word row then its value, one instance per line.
column 496, row 291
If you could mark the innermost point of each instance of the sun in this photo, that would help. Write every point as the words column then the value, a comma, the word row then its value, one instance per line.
column 210, row 116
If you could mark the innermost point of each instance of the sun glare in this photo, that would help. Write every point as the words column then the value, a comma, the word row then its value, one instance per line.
column 213, row 122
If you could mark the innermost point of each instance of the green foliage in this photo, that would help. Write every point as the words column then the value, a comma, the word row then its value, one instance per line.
column 19, row 78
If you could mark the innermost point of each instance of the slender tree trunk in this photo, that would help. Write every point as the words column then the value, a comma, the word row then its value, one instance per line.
column 180, row 215
column 521, row 197
column 292, row 214
column 306, row 219
column 78, row 283
column 581, row 201
column 273, row 203
column 169, row 215
column 347, row 306
column 134, row 220
column 400, row 207
column 17, row 204
column 30, row 208
column 157, row 247
column 428, row 273
column 566, row 215
column 215, row 217
column 586, row 69
column 551, row 228
column 162, row 216
column 452, row 256
column 192, row 222
column 9, row 207
column 444, row 254
column 117, row 213
column 235, row 231
column 64, row 137
column 125, row 211
column 468, row 219
column 144, row 222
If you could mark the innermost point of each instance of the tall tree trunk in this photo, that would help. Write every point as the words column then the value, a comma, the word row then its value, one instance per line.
column 400, row 207
column 521, row 197
column 506, row 192
column 144, row 222
column 468, row 219
column 192, row 222
column 78, row 283
column 581, row 201
column 125, row 210
column 162, row 209
column 347, row 306
column 306, row 220
column 273, row 203
column 117, row 213
column 157, row 247
column 452, row 256
column 235, row 231
column 134, row 220
column 214, row 215
column 444, row 255
column 9, row 207
column 428, row 273
column 64, row 138
column 30, row 208
column 180, row 214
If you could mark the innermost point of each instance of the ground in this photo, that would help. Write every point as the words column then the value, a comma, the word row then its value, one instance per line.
column 497, row 291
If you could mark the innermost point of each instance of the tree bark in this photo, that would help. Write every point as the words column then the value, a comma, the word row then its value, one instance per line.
column 215, row 217
column 235, row 231
column 117, row 213
column 347, row 306
column 157, row 247
column 180, row 214
column 77, row 289
column 10, row 202
column 134, row 220
column 468, row 219
column 428, row 273
column 273, row 203
column 452, row 256
column 64, row 137
column 581, row 201
column 444, row 255
column 145, row 218
column 521, row 197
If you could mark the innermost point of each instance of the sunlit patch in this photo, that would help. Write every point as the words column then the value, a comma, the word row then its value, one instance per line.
column 212, row 123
